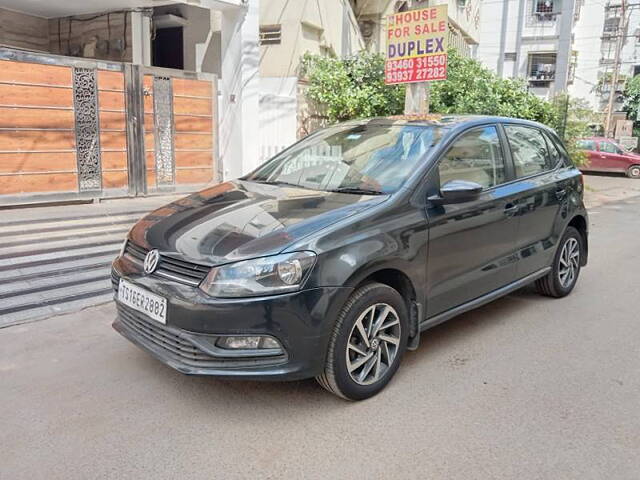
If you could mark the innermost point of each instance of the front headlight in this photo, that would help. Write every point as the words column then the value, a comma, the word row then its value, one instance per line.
column 260, row 276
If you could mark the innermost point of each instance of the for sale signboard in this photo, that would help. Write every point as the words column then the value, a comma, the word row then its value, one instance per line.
column 417, row 46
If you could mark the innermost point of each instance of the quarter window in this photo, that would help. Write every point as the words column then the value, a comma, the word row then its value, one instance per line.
column 554, row 153
column 474, row 157
column 528, row 149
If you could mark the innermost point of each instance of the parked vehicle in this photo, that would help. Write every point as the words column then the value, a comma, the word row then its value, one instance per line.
column 331, row 258
column 606, row 155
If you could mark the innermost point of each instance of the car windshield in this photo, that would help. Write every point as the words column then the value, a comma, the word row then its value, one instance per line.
column 363, row 159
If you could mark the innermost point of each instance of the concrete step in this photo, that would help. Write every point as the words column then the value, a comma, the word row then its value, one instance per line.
column 57, row 259
column 51, row 225
column 95, row 240
column 54, row 295
column 53, row 269
column 78, row 302
column 40, row 284
column 75, row 233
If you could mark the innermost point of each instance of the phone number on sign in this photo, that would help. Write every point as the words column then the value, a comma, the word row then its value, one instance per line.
column 419, row 69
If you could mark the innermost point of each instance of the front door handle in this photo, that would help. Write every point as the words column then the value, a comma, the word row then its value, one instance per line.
column 511, row 209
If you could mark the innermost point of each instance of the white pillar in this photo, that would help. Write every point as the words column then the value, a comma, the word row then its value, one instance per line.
column 140, row 39
column 239, row 84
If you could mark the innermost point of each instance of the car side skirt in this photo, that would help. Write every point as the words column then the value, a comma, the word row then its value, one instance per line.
column 478, row 302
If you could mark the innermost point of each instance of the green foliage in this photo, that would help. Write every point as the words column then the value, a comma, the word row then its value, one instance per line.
column 572, row 120
column 471, row 88
column 632, row 100
column 352, row 87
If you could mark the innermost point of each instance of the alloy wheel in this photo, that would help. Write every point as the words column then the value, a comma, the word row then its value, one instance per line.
column 569, row 262
column 373, row 344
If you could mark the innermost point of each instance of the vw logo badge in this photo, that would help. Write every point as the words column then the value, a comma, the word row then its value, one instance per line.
column 151, row 261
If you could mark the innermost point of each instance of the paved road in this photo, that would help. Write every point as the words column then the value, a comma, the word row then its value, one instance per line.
column 525, row 388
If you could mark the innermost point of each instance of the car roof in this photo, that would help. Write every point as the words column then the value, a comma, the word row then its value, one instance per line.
column 453, row 122
column 600, row 139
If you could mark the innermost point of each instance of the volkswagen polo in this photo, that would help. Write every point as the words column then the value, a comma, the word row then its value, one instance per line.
column 330, row 259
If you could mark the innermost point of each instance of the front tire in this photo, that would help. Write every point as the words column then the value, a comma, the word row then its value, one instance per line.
column 559, row 282
column 633, row 171
column 367, row 343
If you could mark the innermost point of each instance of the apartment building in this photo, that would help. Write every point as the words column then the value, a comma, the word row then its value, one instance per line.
column 596, row 32
column 464, row 22
column 530, row 39
column 563, row 46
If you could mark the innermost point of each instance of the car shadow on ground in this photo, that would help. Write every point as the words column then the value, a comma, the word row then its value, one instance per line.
column 605, row 174
column 239, row 396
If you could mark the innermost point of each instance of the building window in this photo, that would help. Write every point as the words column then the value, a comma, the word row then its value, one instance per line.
column 544, row 6
column 545, row 10
column 611, row 26
column 510, row 56
column 542, row 67
column 270, row 34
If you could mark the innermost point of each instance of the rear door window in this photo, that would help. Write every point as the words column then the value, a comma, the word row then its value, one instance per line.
column 529, row 150
column 609, row 147
column 586, row 144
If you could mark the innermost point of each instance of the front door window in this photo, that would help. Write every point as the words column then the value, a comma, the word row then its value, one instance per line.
column 474, row 157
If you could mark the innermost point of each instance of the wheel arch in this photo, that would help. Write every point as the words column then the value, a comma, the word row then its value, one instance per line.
column 579, row 222
column 395, row 276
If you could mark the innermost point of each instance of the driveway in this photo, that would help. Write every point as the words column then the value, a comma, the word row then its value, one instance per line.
column 526, row 387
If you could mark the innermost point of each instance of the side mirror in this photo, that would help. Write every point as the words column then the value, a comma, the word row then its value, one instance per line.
column 457, row 191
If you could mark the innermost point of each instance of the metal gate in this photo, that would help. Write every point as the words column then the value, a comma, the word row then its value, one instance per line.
column 72, row 128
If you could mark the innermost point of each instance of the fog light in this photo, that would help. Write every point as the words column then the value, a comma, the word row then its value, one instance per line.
column 248, row 343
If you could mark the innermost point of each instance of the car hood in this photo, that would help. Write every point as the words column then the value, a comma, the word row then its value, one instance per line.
column 239, row 220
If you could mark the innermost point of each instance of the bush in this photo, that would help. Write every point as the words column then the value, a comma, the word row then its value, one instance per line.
column 473, row 89
column 351, row 88
column 354, row 88
column 632, row 102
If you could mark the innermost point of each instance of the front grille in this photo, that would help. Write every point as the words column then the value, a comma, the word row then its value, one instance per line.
column 115, row 279
column 171, row 268
column 179, row 347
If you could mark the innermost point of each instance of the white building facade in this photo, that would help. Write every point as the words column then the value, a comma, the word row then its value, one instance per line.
column 562, row 45
column 529, row 39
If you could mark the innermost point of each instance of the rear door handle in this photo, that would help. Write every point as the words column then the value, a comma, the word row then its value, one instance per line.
column 561, row 193
column 511, row 209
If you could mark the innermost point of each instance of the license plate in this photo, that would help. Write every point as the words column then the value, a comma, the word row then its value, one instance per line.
column 143, row 301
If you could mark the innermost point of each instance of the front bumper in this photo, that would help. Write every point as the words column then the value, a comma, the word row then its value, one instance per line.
column 301, row 322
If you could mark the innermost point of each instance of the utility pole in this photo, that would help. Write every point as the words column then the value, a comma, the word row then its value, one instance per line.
column 416, row 97
column 622, row 28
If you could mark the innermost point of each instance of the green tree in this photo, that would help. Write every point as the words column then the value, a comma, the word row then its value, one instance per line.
column 470, row 88
column 572, row 120
column 354, row 88
column 632, row 102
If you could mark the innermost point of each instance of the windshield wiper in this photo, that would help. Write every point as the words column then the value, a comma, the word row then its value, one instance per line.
column 279, row 183
column 357, row 190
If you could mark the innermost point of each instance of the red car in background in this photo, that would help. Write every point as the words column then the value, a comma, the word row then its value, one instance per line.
column 605, row 155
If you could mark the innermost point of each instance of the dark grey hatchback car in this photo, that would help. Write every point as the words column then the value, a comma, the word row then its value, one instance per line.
column 331, row 258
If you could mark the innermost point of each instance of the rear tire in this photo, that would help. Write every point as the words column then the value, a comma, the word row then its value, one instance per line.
column 633, row 171
column 367, row 344
column 559, row 282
